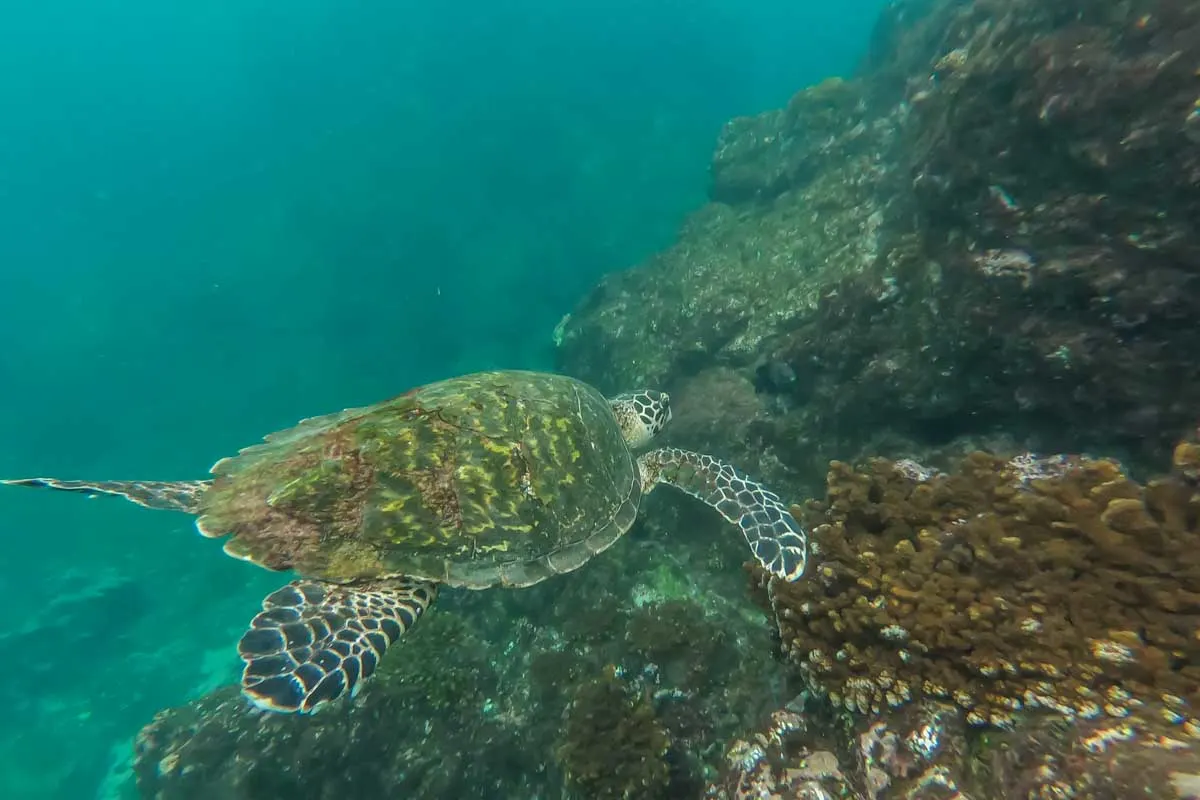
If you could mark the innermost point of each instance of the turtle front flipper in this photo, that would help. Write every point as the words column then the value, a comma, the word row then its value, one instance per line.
column 777, row 540
column 165, row 495
column 315, row 641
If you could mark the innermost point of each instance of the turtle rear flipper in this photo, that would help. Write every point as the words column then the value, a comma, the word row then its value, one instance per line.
column 315, row 641
column 165, row 495
column 777, row 540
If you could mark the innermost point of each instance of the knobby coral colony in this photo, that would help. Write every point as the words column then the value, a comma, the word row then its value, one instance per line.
column 1057, row 584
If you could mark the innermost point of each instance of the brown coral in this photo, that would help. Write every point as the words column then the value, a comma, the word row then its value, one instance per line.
column 1186, row 461
column 1001, row 586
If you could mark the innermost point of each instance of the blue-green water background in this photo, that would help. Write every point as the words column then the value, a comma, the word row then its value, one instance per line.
column 218, row 218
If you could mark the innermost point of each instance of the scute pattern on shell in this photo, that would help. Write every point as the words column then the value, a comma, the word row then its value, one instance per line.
column 499, row 477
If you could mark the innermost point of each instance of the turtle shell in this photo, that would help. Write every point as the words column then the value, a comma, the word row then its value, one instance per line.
column 496, row 478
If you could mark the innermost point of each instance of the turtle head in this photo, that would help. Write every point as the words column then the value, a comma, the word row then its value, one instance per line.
column 641, row 414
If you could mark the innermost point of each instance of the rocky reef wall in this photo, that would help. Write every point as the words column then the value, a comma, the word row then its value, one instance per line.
column 987, row 236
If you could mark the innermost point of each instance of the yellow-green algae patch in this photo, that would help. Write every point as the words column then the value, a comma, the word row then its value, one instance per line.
column 1004, row 585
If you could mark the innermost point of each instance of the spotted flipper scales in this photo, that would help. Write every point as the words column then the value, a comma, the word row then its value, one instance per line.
column 166, row 495
column 314, row 642
column 776, row 539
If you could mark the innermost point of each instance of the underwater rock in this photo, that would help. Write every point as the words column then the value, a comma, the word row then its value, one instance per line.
column 808, row 183
column 760, row 157
column 61, row 672
column 613, row 745
column 1055, row 169
column 925, row 753
column 426, row 727
column 508, row 694
column 989, row 226
column 90, row 611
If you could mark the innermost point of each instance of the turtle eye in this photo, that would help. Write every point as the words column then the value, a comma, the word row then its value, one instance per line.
column 655, row 410
column 641, row 415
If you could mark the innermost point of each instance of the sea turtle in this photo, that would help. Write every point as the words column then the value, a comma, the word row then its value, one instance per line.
column 499, row 478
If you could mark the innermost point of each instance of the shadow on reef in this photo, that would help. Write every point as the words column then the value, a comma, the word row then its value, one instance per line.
column 1014, row 628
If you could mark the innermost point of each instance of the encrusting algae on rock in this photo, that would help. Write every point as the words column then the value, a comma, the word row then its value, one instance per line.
column 613, row 744
column 1058, row 584
column 925, row 751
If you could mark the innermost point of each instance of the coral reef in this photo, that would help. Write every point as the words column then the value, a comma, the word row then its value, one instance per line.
column 1014, row 627
column 1006, row 584
column 981, row 241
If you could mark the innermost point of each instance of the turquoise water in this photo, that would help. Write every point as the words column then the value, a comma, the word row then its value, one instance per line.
column 218, row 219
